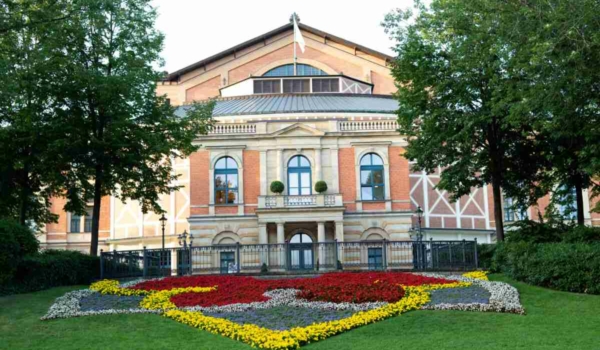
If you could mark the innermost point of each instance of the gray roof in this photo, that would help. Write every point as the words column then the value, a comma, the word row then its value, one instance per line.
column 302, row 103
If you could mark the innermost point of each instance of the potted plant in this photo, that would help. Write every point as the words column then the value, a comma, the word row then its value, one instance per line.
column 277, row 187
column 320, row 187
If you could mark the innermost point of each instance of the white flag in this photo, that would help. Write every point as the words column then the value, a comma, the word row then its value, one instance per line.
column 298, row 36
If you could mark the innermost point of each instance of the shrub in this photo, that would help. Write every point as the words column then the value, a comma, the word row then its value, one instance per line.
column 582, row 234
column 16, row 241
column 264, row 269
column 320, row 186
column 535, row 232
column 562, row 266
column 277, row 187
column 54, row 268
column 485, row 253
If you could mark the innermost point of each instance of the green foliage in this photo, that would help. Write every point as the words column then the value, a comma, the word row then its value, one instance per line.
column 456, row 85
column 559, row 62
column 30, row 166
column 553, row 231
column 561, row 266
column 53, row 268
column 485, row 253
column 277, row 187
column 320, row 186
column 16, row 241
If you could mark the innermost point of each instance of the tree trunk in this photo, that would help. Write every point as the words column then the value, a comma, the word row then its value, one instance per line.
column 579, row 194
column 497, row 193
column 96, row 210
column 25, row 193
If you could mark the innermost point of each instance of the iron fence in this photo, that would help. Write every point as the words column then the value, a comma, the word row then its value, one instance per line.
column 291, row 257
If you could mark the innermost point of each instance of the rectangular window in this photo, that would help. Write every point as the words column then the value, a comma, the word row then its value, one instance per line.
column 509, row 213
column 375, row 258
column 267, row 86
column 75, row 223
column 228, row 262
column 87, row 224
column 296, row 85
column 326, row 85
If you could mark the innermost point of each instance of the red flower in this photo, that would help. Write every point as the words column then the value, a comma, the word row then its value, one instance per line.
column 333, row 287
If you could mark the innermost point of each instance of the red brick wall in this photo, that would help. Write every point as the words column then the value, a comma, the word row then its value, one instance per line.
column 594, row 216
column 199, row 181
column 251, row 179
column 231, row 210
column 340, row 65
column 373, row 206
column 57, row 208
column 347, row 173
column 205, row 90
column 384, row 85
column 399, row 180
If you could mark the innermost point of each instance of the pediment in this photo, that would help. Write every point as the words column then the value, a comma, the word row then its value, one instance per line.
column 298, row 130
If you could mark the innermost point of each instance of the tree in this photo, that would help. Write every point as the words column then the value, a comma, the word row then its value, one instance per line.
column 30, row 174
column 559, row 54
column 457, row 83
column 123, row 137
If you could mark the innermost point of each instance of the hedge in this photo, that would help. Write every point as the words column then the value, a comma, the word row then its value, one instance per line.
column 53, row 268
column 571, row 267
column 16, row 241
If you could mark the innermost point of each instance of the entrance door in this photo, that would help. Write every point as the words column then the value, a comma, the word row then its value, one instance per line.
column 375, row 258
column 228, row 262
column 301, row 252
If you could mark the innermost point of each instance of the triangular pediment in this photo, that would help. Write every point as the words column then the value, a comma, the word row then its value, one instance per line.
column 298, row 130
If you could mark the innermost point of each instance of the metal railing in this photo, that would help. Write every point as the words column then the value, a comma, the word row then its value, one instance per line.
column 291, row 257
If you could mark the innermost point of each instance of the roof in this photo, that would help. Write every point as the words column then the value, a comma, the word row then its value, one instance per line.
column 175, row 75
column 302, row 103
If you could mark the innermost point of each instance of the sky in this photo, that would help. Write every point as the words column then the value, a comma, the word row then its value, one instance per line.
column 196, row 29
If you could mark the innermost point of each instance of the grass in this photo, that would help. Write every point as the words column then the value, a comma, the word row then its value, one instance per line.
column 554, row 320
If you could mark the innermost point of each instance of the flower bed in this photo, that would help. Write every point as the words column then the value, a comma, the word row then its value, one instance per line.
column 287, row 313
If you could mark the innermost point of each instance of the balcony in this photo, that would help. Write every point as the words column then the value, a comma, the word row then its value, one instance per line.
column 306, row 201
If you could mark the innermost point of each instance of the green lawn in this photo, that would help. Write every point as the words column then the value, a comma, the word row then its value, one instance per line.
column 554, row 320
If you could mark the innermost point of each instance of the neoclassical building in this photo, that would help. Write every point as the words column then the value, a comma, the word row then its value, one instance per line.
column 330, row 119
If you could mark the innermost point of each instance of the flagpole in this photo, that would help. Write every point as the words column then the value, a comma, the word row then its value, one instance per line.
column 294, row 23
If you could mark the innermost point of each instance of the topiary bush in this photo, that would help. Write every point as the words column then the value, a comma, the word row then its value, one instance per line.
column 320, row 186
column 277, row 187
column 16, row 241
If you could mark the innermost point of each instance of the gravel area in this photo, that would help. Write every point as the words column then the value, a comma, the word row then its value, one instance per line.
column 97, row 302
column 467, row 295
column 284, row 317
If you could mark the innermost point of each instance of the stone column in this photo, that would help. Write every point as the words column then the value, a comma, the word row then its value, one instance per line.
column 318, row 171
column 335, row 177
column 280, row 233
column 339, row 236
column 173, row 262
column 321, row 248
column 321, row 231
column 263, row 237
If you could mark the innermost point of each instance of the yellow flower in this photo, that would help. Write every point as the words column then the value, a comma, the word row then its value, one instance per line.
column 478, row 275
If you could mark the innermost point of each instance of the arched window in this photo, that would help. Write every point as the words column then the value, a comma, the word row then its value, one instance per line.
column 287, row 70
column 372, row 185
column 301, row 238
column 299, row 176
column 226, row 181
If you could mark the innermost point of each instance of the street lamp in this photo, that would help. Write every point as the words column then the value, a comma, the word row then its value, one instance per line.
column 163, row 222
column 184, row 238
column 417, row 232
column 183, row 241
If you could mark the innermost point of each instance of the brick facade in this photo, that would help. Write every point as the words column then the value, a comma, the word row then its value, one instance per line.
column 251, row 180
column 347, row 174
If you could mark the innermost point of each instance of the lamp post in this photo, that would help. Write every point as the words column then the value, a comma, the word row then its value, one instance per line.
column 163, row 222
column 416, row 234
column 187, row 247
